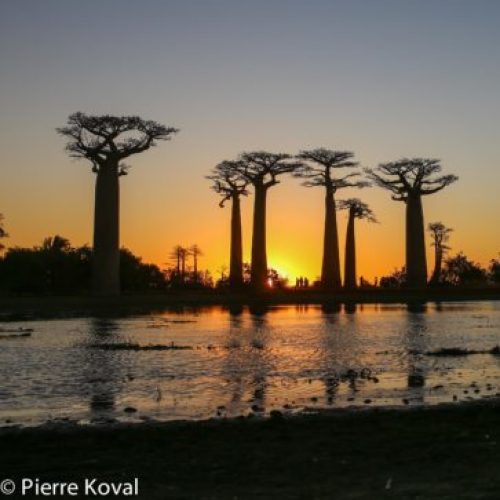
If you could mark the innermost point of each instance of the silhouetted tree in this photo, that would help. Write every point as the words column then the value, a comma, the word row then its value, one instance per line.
column 3, row 232
column 495, row 271
column 179, row 254
column 261, row 169
column 57, row 267
column 56, row 244
column 196, row 252
column 440, row 235
column 138, row 276
column 357, row 210
column 460, row 271
column 408, row 180
column 395, row 280
column 106, row 141
column 231, row 186
column 319, row 171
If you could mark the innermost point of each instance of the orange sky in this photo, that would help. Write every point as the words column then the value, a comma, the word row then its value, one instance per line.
column 407, row 79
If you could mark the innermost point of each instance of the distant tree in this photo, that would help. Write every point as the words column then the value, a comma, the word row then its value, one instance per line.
column 262, row 169
column 227, row 181
column 319, row 169
column 395, row 280
column 357, row 210
column 137, row 276
column 275, row 280
column 106, row 141
column 495, row 271
column 196, row 252
column 179, row 255
column 53, row 267
column 57, row 267
column 440, row 236
column 408, row 180
column 56, row 244
column 3, row 232
column 460, row 271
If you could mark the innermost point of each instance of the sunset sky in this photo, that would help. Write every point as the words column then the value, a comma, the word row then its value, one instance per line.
column 382, row 78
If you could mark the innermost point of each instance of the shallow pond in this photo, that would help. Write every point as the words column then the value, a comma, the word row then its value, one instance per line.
column 195, row 364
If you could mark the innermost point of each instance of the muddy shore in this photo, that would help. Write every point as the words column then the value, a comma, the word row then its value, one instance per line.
column 450, row 451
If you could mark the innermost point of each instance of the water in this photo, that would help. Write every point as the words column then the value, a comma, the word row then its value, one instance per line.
column 286, row 358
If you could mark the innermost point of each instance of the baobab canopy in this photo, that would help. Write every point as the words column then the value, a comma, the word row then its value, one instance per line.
column 415, row 176
column 103, row 138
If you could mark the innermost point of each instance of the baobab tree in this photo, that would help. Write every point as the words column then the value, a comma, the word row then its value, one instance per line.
column 408, row 180
column 3, row 232
column 196, row 252
column 106, row 141
column 231, row 186
column 261, row 169
column 357, row 210
column 319, row 170
column 179, row 254
column 440, row 235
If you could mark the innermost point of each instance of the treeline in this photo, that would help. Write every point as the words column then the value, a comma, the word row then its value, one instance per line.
column 457, row 271
column 57, row 267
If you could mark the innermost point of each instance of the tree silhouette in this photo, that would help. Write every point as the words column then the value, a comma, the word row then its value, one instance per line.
column 106, row 141
column 231, row 186
column 261, row 169
column 440, row 236
column 319, row 171
column 460, row 271
column 3, row 232
column 408, row 180
column 179, row 255
column 196, row 252
column 56, row 244
column 357, row 210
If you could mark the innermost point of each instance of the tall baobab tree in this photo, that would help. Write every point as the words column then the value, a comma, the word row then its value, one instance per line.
column 231, row 186
column 408, row 180
column 106, row 141
column 261, row 169
column 196, row 252
column 357, row 210
column 3, row 232
column 319, row 170
column 440, row 235
column 179, row 255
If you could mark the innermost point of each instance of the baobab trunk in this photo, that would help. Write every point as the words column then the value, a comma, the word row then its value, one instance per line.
column 350, row 279
column 416, row 262
column 259, row 255
column 106, row 263
column 236, row 261
column 330, row 269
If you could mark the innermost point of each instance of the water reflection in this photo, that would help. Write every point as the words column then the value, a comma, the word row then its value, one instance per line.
column 417, row 345
column 246, row 363
column 239, row 358
column 104, row 371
